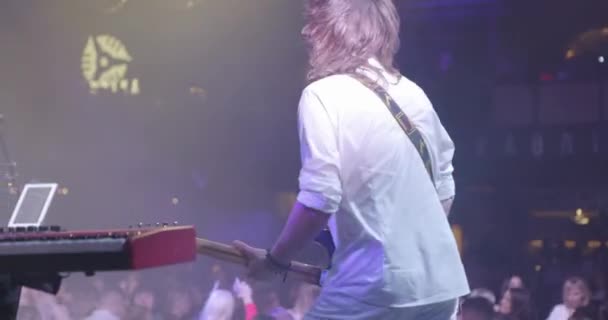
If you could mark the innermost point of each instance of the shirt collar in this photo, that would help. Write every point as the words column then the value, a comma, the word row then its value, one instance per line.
column 375, row 63
column 373, row 75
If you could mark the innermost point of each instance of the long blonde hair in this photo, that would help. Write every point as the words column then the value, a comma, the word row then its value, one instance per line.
column 577, row 283
column 344, row 34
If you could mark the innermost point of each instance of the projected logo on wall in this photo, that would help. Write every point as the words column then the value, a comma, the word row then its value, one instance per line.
column 105, row 61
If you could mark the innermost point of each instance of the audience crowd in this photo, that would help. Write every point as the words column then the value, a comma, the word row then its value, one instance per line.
column 185, row 294
column 515, row 301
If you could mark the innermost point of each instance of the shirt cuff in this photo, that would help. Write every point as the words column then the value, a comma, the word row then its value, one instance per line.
column 446, row 188
column 319, row 202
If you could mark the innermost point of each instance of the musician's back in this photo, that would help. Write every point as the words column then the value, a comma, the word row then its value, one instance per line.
column 394, row 244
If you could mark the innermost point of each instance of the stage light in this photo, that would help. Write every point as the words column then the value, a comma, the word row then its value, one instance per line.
column 601, row 59
column 580, row 217
column 594, row 244
column 547, row 76
column 537, row 244
column 192, row 3
column 570, row 244
column 198, row 92
column 586, row 43
column 459, row 236
column 175, row 201
column 114, row 5
column 104, row 63
column 12, row 190
column 538, row 268
column 570, row 54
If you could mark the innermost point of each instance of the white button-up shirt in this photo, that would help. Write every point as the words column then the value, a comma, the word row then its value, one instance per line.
column 394, row 246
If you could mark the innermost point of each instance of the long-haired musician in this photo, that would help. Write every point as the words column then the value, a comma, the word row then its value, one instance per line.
column 384, row 195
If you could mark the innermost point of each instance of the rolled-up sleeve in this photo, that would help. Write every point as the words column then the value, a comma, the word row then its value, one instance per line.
column 444, row 180
column 320, row 185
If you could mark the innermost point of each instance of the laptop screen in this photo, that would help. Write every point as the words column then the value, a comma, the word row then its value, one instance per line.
column 32, row 205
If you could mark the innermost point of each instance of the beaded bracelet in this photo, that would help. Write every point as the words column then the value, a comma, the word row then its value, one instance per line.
column 280, row 268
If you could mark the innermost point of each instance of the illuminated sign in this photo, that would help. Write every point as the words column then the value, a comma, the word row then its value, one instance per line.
column 459, row 236
column 105, row 62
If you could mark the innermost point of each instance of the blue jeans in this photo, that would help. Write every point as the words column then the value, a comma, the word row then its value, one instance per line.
column 437, row 311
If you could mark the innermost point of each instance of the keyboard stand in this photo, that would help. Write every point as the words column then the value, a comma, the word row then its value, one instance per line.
column 10, row 290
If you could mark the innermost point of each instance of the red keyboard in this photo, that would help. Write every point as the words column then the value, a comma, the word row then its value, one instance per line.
column 48, row 249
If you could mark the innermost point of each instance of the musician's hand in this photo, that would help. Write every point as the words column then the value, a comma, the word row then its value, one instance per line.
column 256, row 262
column 243, row 290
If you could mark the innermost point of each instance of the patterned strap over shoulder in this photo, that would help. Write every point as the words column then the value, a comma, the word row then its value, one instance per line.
column 404, row 122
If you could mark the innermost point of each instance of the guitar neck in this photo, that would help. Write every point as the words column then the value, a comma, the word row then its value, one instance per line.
column 299, row 271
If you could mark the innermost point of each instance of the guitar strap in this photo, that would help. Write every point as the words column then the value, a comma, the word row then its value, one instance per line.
column 324, row 238
column 404, row 122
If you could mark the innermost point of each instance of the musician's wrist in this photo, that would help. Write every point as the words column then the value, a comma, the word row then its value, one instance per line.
column 277, row 267
column 278, row 256
column 277, row 263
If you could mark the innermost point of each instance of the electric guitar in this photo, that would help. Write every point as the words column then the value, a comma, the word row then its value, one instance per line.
column 298, row 271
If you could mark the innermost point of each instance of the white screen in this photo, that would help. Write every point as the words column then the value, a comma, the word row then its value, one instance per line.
column 33, row 204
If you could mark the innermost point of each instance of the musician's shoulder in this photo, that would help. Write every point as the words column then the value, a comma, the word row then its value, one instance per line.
column 331, row 83
column 411, row 86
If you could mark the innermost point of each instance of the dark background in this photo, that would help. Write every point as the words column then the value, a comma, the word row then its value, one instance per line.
column 496, row 71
